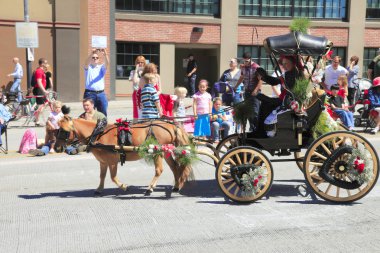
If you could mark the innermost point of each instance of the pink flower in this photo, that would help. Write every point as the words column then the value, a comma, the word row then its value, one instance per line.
column 155, row 148
column 183, row 152
column 260, row 177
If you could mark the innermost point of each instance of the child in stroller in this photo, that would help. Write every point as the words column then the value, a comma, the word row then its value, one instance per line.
column 362, row 87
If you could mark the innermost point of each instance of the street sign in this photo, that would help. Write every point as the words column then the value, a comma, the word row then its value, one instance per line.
column 99, row 41
column 27, row 34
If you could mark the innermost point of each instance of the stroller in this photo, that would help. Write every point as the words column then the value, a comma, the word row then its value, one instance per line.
column 363, row 119
column 228, row 94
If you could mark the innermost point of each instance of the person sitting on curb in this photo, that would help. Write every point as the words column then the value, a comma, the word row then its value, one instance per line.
column 89, row 114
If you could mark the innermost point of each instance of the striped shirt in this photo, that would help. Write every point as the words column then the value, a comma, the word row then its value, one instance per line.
column 148, row 98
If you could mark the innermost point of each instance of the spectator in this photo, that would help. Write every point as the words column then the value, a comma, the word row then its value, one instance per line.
column 218, row 121
column 202, row 108
column 17, row 76
column 353, row 71
column 338, row 106
column 5, row 116
column 179, row 104
column 232, row 76
column 252, row 87
column 191, row 73
column 135, row 76
column 343, row 87
column 374, row 98
column 49, row 80
column 374, row 67
column 332, row 72
column 39, row 88
column 52, row 125
column 94, row 73
column 150, row 101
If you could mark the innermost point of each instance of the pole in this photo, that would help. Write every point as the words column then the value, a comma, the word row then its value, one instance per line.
column 28, row 63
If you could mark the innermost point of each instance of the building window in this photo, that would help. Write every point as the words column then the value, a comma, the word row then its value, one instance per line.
column 373, row 9
column 330, row 9
column 126, row 53
column 198, row 7
column 260, row 56
column 369, row 54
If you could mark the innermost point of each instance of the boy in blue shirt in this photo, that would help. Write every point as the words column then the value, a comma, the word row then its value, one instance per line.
column 219, row 120
column 150, row 101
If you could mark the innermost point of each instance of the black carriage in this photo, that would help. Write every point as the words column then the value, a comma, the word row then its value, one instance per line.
column 333, row 164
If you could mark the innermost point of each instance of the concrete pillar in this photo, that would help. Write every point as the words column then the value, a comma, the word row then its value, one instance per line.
column 229, row 32
column 357, row 12
column 167, row 63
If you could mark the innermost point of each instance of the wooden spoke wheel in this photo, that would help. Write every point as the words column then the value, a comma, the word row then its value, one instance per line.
column 232, row 141
column 232, row 167
column 326, row 167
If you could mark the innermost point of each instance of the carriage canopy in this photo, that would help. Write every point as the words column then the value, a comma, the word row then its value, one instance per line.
column 297, row 43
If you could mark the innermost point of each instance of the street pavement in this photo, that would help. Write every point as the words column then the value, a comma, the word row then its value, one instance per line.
column 47, row 205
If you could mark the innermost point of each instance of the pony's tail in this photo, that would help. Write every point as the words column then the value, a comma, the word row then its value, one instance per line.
column 185, row 172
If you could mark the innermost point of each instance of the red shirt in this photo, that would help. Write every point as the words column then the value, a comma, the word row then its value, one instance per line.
column 40, row 74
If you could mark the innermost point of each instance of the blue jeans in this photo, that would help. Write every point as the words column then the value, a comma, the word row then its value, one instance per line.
column 1, row 128
column 215, row 126
column 100, row 100
column 346, row 116
column 16, row 88
column 70, row 149
column 191, row 84
column 45, row 149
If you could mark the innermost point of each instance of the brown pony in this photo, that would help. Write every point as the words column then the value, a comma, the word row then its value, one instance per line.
column 164, row 132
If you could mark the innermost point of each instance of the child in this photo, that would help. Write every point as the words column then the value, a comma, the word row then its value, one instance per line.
column 343, row 86
column 52, row 125
column 202, row 106
column 219, row 120
column 179, row 104
column 150, row 101
column 338, row 106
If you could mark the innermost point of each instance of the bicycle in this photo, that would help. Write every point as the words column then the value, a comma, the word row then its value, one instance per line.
column 28, row 109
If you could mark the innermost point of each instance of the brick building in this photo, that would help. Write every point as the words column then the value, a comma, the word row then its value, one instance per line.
column 166, row 31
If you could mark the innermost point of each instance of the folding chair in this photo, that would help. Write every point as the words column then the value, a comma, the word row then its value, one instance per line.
column 4, row 131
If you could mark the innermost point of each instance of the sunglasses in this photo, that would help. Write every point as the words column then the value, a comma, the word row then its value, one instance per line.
column 95, row 58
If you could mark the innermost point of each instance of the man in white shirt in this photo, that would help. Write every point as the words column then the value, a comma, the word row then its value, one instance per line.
column 17, row 75
column 94, row 73
column 332, row 72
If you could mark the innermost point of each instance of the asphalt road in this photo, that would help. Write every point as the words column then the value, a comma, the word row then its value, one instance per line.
column 47, row 205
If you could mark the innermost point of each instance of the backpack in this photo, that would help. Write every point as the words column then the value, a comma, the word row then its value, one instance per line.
column 28, row 141
column 33, row 81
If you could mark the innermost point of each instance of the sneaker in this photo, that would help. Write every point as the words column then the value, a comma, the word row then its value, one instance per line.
column 36, row 152
column 82, row 148
column 375, row 130
column 51, row 151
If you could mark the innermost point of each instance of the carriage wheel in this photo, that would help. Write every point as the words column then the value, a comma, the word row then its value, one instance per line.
column 232, row 167
column 232, row 141
column 326, row 167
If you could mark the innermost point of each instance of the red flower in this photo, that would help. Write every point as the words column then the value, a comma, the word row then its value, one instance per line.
column 155, row 148
column 356, row 162
column 358, row 157
column 360, row 168
column 119, row 120
column 260, row 177
column 255, row 182
column 183, row 152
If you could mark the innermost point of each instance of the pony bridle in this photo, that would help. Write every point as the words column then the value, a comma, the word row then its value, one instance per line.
column 64, row 135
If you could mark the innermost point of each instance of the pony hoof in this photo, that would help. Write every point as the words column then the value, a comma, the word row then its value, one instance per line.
column 148, row 192
column 175, row 189
column 124, row 187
